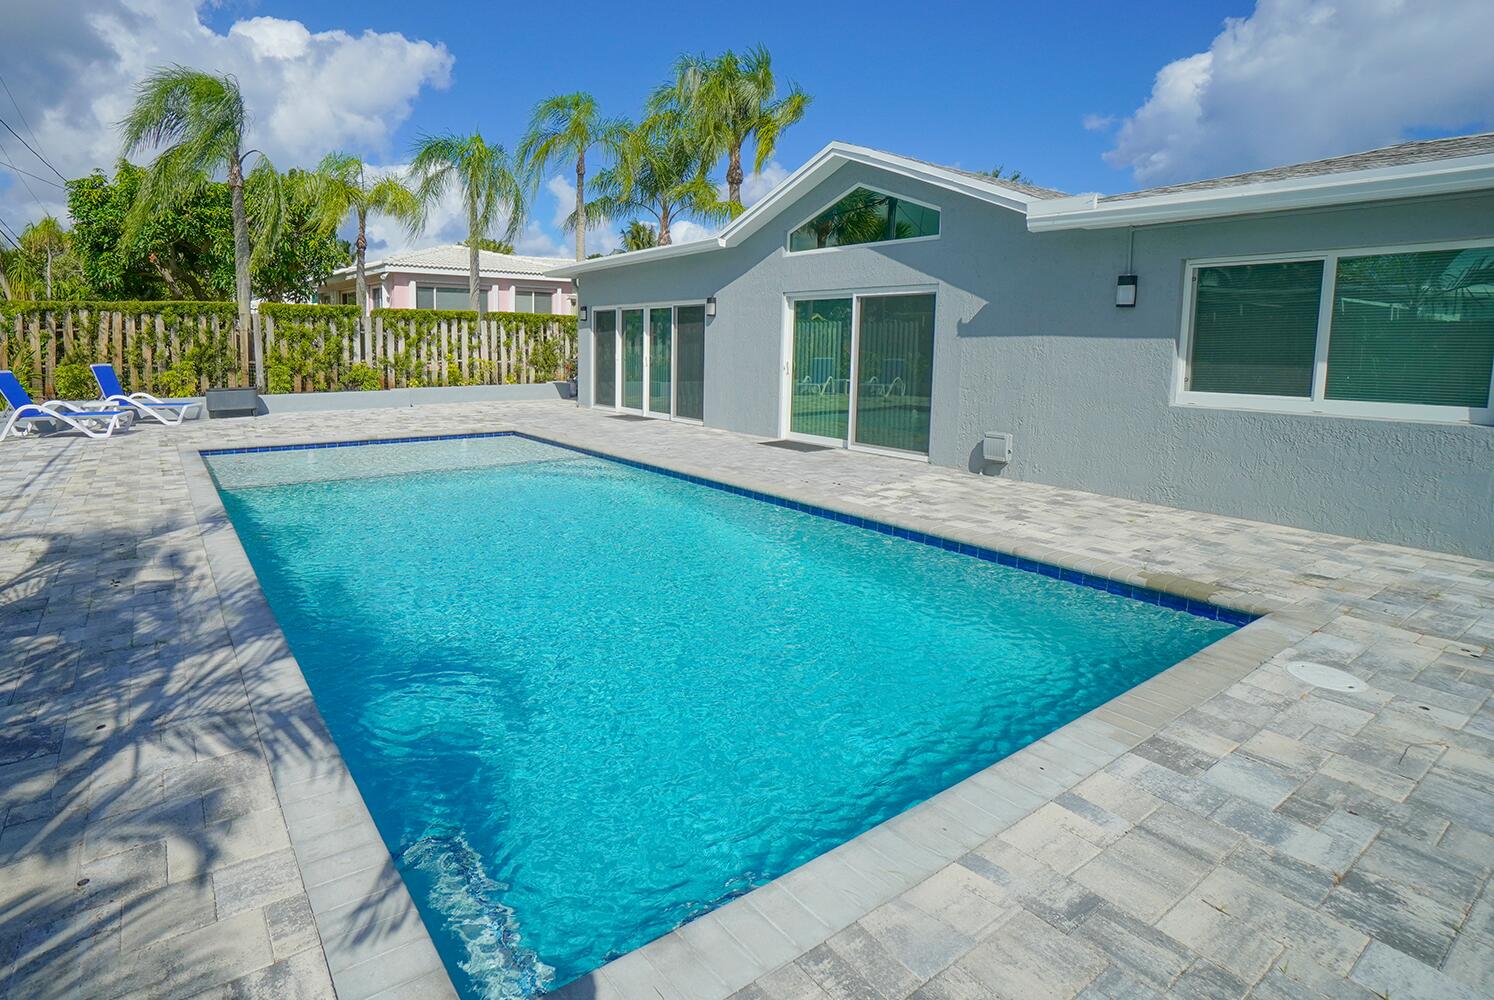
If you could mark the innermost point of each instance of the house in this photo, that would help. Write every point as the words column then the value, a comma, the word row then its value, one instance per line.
column 436, row 278
column 1309, row 345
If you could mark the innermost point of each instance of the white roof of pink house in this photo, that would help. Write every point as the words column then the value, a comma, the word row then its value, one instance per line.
column 452, row 259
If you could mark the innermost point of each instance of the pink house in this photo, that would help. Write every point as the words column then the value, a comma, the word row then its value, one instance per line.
column 436, row 278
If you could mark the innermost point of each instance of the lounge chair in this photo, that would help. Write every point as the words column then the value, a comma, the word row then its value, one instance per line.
column 27, row 417
column 167, row 411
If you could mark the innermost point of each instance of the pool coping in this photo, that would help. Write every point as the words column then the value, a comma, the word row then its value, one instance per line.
column 729, row 947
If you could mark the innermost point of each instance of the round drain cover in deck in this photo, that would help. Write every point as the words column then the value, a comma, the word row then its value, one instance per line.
column 1323, row 676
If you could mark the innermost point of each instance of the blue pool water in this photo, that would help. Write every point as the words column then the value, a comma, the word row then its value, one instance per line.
column 586, row 703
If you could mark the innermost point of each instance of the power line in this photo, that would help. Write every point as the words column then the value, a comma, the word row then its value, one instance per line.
column 33, row 150
column 24, row 183
column 36, row 177
column 17, row 104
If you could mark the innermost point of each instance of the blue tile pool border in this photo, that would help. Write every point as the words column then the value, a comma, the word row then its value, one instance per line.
column 1146, row 595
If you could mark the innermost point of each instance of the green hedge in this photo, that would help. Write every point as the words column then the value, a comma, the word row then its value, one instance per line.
column 295, row 311
column 169, row 309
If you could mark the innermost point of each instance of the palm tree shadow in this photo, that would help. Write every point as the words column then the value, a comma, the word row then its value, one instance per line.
column 150, row 719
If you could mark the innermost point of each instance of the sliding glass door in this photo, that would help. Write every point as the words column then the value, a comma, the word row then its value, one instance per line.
column 820, row 404
column 604, row 359
column 689, row 362
column 660, row 362
column 895, row 371
column 861, row 371
column 632, row 358
column 651, row 359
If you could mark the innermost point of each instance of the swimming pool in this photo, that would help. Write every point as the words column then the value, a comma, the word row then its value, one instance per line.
column 586, row 702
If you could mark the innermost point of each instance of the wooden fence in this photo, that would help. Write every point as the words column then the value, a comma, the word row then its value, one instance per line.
column 175, row 353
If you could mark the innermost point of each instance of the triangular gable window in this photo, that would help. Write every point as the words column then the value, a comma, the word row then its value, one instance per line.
column 866, row 216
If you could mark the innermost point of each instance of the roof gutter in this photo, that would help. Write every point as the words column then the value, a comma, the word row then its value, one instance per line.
column 1414, row 180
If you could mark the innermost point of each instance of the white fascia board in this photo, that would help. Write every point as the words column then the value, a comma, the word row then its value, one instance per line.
column 632, row 257
column 1411, row 180
column 818, row 167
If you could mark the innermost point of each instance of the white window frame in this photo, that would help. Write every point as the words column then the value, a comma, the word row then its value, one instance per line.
column 786, row 365
column 482, row 291
column 788, row 235
column 674, row 306
column 1317, row 404
column 550, row 292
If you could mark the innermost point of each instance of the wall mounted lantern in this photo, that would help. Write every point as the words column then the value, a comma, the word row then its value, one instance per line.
column 582, row 314
column 1125, row 290
column 711, row 306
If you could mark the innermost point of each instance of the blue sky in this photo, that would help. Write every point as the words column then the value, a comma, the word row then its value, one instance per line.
column 1084, row 96
column 959, row 84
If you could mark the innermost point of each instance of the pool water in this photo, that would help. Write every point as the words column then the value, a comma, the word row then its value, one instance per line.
column 586, row 702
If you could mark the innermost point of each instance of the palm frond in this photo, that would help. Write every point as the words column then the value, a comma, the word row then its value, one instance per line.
column 265, row 196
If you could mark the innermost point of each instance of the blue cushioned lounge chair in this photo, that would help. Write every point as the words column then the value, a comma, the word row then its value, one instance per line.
column 168, row 411
column 27, row 417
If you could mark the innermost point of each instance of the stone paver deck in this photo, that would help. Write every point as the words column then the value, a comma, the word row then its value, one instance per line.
column 175, row 820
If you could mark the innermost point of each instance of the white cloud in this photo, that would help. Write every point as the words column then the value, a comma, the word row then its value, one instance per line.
column 685, row 231
column 1301, row 79
column 73, row 66
column 599, row 239
column 1097, row 123
column 756, row 185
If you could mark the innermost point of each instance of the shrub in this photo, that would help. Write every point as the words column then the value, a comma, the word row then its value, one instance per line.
column 279, row 377
column 360, row 377
column 179, row 381
column 71, row 379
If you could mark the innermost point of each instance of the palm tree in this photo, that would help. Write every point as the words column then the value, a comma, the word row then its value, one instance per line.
column 341, row 185
column 489, row 189
column 659, row 172
column 729, row 100
column 638, row 236
column 565, row 127
column 201, row 122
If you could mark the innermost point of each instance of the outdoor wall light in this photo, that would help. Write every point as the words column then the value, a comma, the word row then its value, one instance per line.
column 1125, row 290
column 711, row 306
column 582, row 314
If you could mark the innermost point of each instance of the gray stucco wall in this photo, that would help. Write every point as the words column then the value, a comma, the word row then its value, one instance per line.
column 1028, row 340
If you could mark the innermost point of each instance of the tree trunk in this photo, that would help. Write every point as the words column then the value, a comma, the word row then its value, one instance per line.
column 734, row 176
column 664, row 212
column 49, row 274
column 361, row 246
column 581, row 206
column 241, row 261
column 474, row 258
column 5, row 282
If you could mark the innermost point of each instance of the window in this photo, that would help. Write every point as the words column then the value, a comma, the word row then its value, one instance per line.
column 866, row 216
column 689, row 362
column 604, row 359
column 533, row 300
column 444, row 297
column 349, row 298
column 1255, row 328
column 862, row 370
column 1388, row 333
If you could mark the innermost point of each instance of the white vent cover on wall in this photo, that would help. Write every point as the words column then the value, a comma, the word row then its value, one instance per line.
column 996, row 447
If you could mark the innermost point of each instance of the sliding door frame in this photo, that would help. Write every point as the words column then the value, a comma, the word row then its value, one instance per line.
column 674, row 306
column 786, row 365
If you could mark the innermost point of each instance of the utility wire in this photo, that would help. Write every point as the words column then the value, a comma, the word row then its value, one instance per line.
column 33, row 150
column 36, row 177
column 24, row 183
column 31, row 131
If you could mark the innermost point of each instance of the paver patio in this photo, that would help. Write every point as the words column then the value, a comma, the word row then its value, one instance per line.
column 175, row 820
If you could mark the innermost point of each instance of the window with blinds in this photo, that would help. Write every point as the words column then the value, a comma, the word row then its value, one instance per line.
column 1407, row 333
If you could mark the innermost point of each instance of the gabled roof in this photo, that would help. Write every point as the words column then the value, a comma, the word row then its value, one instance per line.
column 1014, row 195
column 1408, row 169
column 452, row 259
